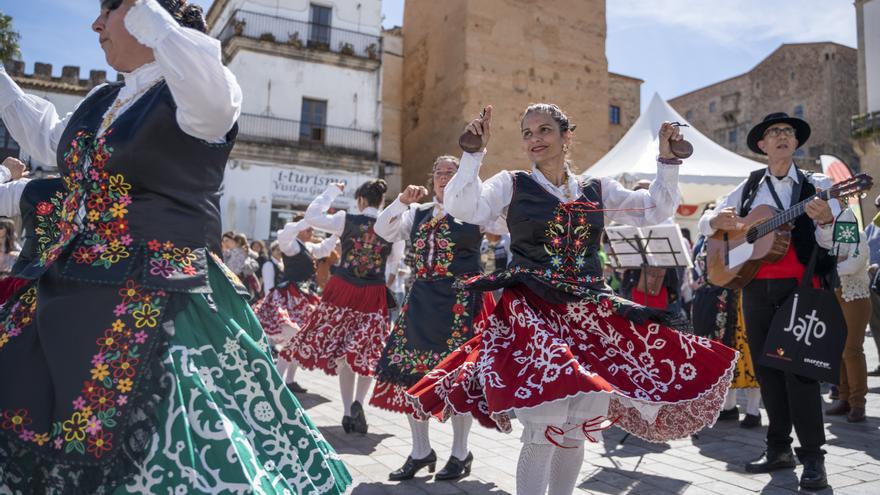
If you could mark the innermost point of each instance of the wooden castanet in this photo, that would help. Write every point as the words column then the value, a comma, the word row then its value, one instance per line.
column 769, row 248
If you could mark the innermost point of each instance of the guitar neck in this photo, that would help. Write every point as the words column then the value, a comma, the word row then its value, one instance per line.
column 788, row 215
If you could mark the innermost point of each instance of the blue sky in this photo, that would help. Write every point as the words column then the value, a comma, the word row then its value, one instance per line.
column 676, row 46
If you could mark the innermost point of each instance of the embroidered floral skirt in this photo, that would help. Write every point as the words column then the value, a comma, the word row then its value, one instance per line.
column 435, row 319
column 553, row 363
column 146, row 392
column 350, row 322
column 283, row 312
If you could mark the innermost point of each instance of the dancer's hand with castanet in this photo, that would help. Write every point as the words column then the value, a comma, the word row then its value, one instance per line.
column 412, row 194
column 668, row 132
column 480, row 126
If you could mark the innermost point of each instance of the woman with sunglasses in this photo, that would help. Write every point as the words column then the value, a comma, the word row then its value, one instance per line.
column 131, row 363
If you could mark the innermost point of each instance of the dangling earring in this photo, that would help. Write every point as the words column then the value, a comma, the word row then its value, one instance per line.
column 565, row 148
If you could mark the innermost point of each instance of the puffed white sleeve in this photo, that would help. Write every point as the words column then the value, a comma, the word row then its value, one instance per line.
column 268, row 276
column 10, row 197
column 206, row 93
column 731, row 200
column 32, row 121
column 320, row 250
column 471, row 200
column 288, row 241
column 644, row 207
column 394, row 259
column 825, row 233
column 317, row 216
column 395, row 221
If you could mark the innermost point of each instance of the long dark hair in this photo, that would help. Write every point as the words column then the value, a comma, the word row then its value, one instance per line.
column 9, row 226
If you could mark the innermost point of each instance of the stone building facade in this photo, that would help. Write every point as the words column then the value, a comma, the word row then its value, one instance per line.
column 865, row 126
column 460, row 55
column 624, row 105
column 813, row 81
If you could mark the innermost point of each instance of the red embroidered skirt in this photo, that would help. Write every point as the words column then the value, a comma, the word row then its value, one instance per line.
column 283, row 312
column 662, row 384
column 350, row 322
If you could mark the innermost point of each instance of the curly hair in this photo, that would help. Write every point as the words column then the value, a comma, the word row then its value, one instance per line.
column 372, row 191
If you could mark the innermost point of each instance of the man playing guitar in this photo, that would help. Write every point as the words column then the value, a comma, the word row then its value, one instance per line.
column 790, row 400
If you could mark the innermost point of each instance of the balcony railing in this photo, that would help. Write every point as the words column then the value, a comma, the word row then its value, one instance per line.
column 301, row 34
column 272, row 130
column 865, row 124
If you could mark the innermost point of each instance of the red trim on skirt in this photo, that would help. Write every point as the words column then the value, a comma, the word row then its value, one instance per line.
column 285, row 307
column 350, row 322
column 532, row 352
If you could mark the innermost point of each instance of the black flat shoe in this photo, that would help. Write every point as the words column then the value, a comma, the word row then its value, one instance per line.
column 358, row 418
column 814, row 477
column 347, row 424
column 750, row 421
column 729, row 414
column 771, row 461
column 455, row 468
column 296, row 388
column 412, row 466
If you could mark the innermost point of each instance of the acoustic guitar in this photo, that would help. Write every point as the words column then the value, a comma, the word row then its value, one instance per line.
column 734, row 257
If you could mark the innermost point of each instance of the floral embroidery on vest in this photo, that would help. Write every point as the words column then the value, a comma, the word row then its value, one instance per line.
column 568, row 232
column 167, row 260
column 89, row 430
column 433, row 249
column 365, row 256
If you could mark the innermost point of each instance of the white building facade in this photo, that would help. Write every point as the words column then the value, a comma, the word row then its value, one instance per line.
column 310, row 72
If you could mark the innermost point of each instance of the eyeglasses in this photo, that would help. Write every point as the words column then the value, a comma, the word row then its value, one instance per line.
column 778, row 131
column 110, row 5
column 438, row 173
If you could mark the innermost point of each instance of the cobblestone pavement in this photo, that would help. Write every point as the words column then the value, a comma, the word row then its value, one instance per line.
column 709, row 464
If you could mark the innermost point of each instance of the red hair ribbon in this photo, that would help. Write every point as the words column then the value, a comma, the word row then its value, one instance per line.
column 587, row 427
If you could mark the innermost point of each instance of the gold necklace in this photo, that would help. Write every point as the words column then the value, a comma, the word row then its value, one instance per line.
column 119, row 103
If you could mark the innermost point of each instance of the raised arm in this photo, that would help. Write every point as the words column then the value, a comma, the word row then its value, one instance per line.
column 317, row 216
column 320, row 250
column 288, row 242
column 206, row 93
column 644, row 207
column 471, row 200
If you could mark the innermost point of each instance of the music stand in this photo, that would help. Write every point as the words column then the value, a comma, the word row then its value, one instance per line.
column 658, row 246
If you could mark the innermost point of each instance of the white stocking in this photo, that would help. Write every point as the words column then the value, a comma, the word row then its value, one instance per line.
column 421, row 443
column 730, row 400
column 533, row 468
column 753, row 401
column 363, row 386
column 565, row 467
column 346, row 386
column 461, row 427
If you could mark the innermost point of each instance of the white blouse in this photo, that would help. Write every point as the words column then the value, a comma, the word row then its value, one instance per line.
column 290, row 244
column 474, row 201
column 395, row 222
column 852, row 268
column 10, row 193
column 206, row 93
column 316, row 215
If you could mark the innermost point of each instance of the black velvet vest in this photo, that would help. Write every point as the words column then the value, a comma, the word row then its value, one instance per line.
column 299, row 268
column 149, row 191
column 443, row 247
column 363, row 252
column 38, row 201
column 803, row 236
column 545, row 234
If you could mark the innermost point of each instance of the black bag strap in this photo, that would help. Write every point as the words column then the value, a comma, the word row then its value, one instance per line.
column 750, row 190
column 806, row 282
column 772, row 189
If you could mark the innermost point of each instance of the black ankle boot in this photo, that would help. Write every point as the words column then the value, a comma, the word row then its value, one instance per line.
column 814, row 477
column 455, row 468
column 771, row 461
column 346, row 424
column 412, row 466
column 358, row 418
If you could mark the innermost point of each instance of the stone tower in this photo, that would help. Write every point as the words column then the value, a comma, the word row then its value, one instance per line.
column 460, row 55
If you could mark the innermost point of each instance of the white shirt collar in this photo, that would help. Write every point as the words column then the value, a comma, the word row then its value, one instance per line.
column 368, row 211
column 792, row 173
column 569, row 191
column 141, row 78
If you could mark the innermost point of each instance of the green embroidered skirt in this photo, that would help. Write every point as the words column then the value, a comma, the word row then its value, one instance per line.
column 159, row 393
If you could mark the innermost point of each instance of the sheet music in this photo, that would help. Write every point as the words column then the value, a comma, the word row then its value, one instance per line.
column 663, row 245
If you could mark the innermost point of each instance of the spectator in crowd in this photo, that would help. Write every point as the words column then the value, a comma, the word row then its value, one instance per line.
column 8, row 246
column 872, row 233
column 263, row 255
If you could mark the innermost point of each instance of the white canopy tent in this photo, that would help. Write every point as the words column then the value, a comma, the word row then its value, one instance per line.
column 711, row 172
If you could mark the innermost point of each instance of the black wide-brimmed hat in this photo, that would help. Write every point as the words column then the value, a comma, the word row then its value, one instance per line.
column 801, row 130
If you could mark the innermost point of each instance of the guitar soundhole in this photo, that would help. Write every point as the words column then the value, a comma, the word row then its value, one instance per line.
column 752, row 235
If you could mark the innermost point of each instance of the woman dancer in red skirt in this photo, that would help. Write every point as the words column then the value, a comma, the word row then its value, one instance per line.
column 291, row 294
column 436, row 317
column 346, row 333
column 560, row 350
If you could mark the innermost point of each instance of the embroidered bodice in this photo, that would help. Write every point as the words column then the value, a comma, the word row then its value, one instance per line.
column 364, row 253
column 443, row 247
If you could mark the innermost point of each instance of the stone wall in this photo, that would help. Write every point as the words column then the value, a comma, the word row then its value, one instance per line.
column 817, row 78
column 624, row 92
column 460, row 55
column 392, row 96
